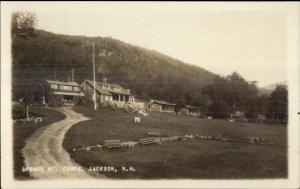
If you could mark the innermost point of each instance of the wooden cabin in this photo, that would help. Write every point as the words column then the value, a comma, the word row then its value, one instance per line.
column 161, row 106
column 191, row 110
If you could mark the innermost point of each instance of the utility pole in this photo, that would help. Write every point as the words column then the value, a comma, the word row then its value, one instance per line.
column 55, row 72
column 72, row 71
column 94, row 76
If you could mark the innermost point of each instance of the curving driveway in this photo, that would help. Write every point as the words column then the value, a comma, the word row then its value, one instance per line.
column 45, row 155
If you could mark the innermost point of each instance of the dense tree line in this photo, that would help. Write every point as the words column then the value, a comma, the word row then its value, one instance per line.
column 233, row 93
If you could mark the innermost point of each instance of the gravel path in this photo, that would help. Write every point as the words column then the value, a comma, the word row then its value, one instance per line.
column 44, row 151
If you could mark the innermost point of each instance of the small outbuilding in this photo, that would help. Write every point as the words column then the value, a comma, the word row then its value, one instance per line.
column 161, row 106
column 191, row 110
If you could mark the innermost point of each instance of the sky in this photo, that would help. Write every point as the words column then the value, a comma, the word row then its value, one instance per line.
column 248, row 39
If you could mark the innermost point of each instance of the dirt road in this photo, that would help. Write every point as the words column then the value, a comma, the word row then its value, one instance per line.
column 45, row 155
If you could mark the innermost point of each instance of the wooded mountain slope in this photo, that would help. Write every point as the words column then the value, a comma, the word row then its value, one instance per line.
column 149, row 74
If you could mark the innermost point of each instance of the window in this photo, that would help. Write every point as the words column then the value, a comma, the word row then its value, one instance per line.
column 76, row 89
column 65, row 87
column 53, row 86
column 155, row 105
column 117, row 89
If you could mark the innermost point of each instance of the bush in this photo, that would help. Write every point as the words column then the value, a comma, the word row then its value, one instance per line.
column 219, row 110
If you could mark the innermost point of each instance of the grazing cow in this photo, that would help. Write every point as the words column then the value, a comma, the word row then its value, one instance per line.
column 137, row 120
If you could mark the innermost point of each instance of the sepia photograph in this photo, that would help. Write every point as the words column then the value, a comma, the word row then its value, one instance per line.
column 150, row 91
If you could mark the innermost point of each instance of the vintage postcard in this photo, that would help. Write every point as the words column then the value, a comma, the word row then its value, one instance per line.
column 150, row 95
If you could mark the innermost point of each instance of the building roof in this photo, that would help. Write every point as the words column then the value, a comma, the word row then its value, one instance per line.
column 68, row 93
column 189, row 106
column 161, row 102
column 60, row 91
column 62, row 83
column 109, row 84
column 98, row 88
column 101, row 90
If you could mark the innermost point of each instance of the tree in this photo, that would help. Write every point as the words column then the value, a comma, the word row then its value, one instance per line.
column 219, row 109
column 24, row 23
column 278, row 103
column 218, row 90
column 181, row 102
column 232, row 93
column 31, row 93
column 241, row 92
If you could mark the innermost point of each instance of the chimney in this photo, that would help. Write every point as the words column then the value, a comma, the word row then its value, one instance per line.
column 104, row 80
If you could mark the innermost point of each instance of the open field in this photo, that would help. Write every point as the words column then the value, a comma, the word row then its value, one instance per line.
column 21, row 132
column 190, row 159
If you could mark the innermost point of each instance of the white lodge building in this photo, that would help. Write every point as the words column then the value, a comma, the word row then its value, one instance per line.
column 107, row 93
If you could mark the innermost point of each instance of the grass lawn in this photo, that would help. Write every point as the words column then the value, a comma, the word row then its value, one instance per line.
column 190, row 159
column 23, row 131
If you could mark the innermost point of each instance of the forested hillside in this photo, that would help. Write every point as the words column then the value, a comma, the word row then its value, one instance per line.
column 147, row 73
column 40, row 55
